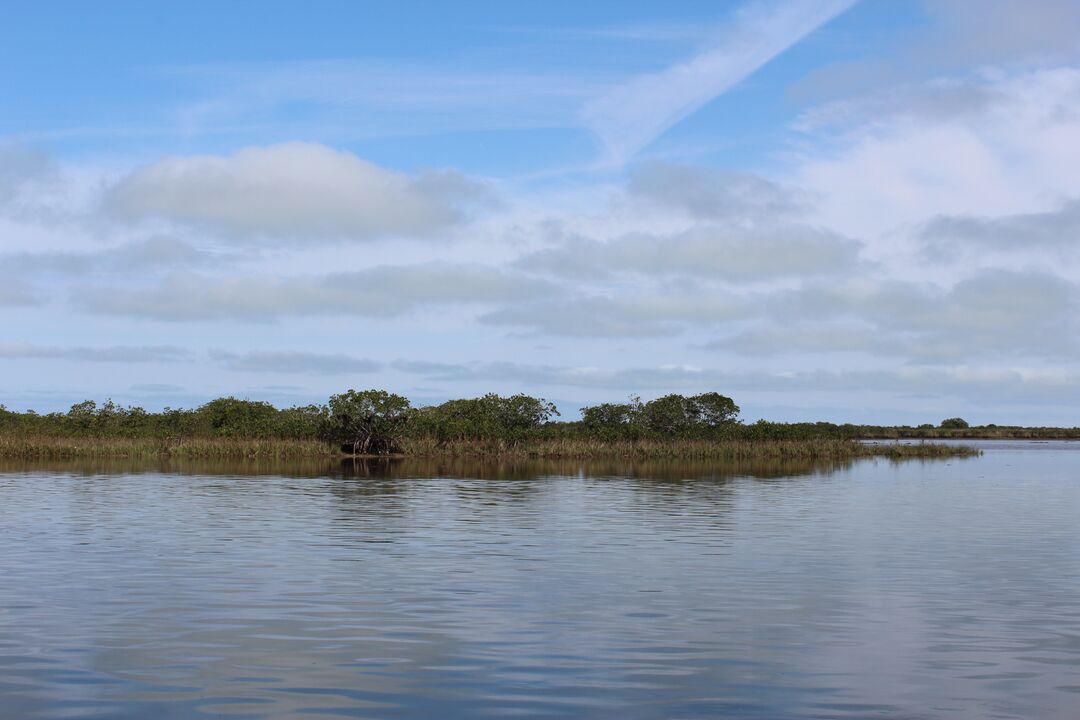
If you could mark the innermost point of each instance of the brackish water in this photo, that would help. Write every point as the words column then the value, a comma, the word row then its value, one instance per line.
column 946, row 589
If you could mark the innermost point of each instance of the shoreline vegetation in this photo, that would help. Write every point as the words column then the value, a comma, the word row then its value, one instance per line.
column 59, row 447
column 375, row 423
column 475, row 467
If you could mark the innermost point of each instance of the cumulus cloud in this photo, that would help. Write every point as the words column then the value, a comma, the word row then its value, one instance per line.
column 294, row 362
column 641, row 314
column 996, row 313
column 374, row 292
column 893, row 173
column 731, row 252
column 1022, row 232
column 693, row 222
column 294, row 190
column 113, row 354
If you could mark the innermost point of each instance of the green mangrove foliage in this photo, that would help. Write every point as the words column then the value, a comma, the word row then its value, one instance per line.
column 672, row 416
column 491, row 416
column 370, row 421
column 222, row 418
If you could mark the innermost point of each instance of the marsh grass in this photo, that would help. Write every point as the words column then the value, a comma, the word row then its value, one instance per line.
column 49, row 447
column 728, row 450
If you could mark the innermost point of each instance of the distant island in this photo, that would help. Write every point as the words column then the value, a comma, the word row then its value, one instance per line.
column 380, row 423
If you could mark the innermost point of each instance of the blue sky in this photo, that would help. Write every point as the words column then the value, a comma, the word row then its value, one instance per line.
column 826, row 208
column 141, row 80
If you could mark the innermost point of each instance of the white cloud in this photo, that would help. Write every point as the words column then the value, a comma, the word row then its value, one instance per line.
column 301, row 191
column 994, row 314
column 1019, row 153
column 1020, row 233
column 633, row 314
column 729, row 252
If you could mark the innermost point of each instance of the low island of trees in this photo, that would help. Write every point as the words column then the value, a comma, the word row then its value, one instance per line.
column 377, row 422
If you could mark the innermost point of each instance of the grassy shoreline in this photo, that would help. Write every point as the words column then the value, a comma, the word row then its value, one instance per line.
column 55, row 447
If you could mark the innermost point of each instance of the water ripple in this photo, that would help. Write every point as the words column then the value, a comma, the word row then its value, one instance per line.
column 694, row 591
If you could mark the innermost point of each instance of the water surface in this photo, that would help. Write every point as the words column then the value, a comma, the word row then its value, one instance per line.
column 946, row 589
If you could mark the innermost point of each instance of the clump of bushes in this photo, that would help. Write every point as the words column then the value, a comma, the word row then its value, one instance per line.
column 375, row 421
column 221, row 418
column 667, row 416
column 367, row 422
column 491, row 416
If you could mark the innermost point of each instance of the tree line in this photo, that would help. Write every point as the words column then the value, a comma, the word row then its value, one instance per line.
column 373, row 418
column 375, row 421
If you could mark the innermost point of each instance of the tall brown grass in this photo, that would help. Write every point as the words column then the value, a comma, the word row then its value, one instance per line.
column 823, row 449
column 49, row 447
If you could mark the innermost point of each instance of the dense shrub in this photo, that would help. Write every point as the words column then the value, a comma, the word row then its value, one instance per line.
column 368, row 421
column 490, row 416
column 667, row 416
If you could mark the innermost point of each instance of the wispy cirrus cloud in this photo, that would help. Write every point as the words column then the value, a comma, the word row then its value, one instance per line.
column 632, row 115
column 373, row 97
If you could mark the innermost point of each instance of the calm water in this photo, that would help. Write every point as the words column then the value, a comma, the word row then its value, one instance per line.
column 921, row 590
